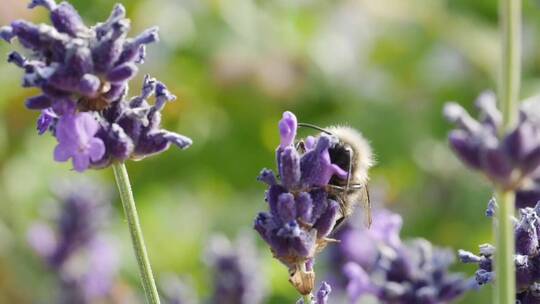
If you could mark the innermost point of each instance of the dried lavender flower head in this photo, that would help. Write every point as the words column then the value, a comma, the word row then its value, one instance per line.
column 302, row 212
column 237, row 271
column 526, row 258
column 510, row 161
column 82, row 73
column 390, row 270
column 73, row 246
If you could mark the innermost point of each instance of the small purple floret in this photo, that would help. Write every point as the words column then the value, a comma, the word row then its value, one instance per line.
column 76, row 140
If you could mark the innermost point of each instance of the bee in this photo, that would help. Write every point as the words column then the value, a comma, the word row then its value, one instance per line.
column 353, row 154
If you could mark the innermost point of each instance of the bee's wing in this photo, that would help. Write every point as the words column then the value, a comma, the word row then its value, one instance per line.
column 366, row 202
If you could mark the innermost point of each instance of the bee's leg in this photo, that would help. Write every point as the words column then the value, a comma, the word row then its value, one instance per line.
column 350, row 170
column 367, row 205
column 331, row 187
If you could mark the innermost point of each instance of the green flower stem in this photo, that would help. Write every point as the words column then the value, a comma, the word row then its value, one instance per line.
column 509, row 82
column 307, row 298
column 505, row 289
column 128, row 202
column 510, row 70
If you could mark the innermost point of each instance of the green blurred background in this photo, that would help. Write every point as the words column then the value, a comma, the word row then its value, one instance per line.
column 385, row 67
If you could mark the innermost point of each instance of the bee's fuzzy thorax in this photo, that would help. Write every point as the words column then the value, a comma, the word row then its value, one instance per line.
column 363, row 158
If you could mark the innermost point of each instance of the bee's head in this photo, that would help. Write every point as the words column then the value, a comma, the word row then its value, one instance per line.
column 341, row 154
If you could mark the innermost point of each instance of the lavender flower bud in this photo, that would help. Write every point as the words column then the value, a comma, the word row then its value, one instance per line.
column 322, row 295
column 67, row 20
column 491, row 207
column 40, row 102
column 287, row 129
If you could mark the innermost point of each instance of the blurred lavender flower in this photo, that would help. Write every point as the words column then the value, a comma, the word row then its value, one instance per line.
column 375, row 262
column 176, row 291
column 322, row 295
column 236, row 270
column 83, row 73
column 509, row 162
column 302, row 213
column 527, row 257
column 84, row 261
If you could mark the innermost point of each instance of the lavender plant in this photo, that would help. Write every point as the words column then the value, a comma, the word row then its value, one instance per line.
column 376, row 262
column 504, row 146
column 75, row 249
column 82, row 74
column 512, row 162
column 301, row 213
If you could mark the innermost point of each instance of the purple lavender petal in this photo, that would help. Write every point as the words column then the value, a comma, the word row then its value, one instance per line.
column 122, row 73
column 181, row 141
column 17, row 59
column 496, row 163
column 359, row 282
column 27, row 33
column 75, row 134
column 131, row 50
column 526, row 236
column 327, row 220
column 289, row 167
column 89, row 85
column 491, row 208
column 286, row 207
column 39, row 102
column 48, row 4
column 323, row 293
column 267, row 176
column 304, row 207
column 6, row 33
column 45, row 121
column 66, row 19
column 460, row 142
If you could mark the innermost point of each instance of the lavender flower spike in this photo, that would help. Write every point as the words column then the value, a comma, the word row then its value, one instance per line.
column 83, row 73
column 302, row 212
column 509, row 162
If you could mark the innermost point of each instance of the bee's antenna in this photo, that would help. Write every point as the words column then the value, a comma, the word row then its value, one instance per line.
column 307, row 125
